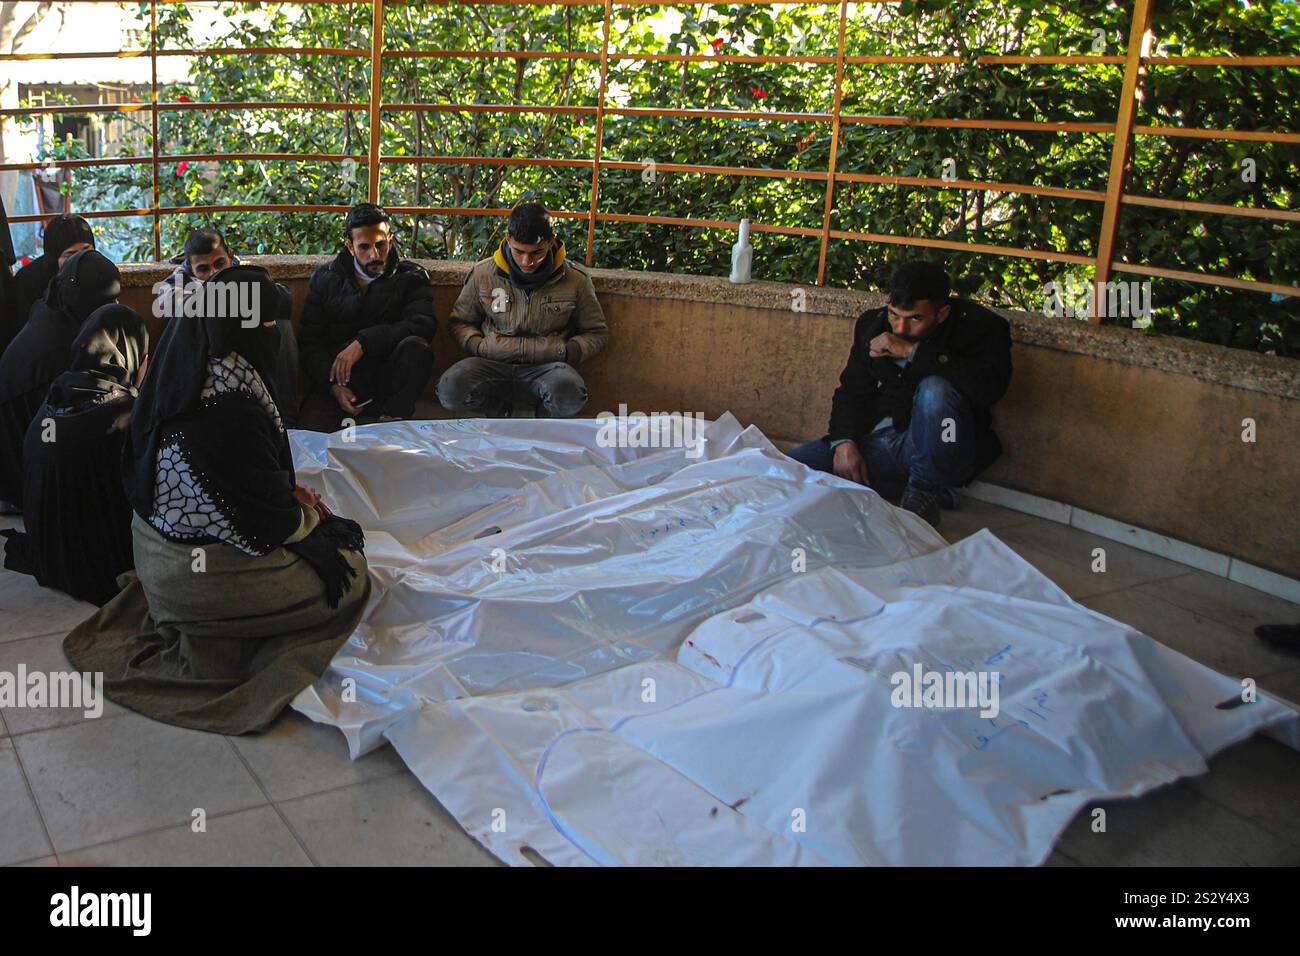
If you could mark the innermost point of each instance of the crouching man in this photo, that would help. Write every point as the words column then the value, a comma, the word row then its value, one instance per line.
column 527, row 317
column 911, row 416
column 367, row 325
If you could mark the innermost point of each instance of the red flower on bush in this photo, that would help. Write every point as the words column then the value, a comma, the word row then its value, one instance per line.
column 717, row 44
column 758, row 92
column 183, row 165
column 183, row 99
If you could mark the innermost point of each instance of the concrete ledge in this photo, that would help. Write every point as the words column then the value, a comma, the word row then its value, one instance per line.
column 1233, row 368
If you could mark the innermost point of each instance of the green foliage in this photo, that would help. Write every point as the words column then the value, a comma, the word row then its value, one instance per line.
column 1181, row 168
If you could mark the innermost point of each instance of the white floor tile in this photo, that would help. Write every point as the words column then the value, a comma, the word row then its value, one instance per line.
column 103, row 780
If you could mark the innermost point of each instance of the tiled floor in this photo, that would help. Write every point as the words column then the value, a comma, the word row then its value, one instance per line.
column 126, row 790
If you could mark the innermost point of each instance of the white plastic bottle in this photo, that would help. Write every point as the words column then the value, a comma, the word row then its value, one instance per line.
column 742, row 256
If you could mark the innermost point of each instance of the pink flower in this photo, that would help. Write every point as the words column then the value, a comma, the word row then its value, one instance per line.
column 183, row 165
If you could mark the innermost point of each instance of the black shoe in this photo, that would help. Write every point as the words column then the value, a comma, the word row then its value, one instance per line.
column 922, row 501
column 1285, row 636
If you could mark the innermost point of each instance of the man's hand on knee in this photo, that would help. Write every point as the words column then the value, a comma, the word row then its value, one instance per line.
column 341, row 370
column 849, row 463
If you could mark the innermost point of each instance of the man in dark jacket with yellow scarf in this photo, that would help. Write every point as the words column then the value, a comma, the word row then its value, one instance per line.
column 526, row 316
column 911, row 416
column 367, row 328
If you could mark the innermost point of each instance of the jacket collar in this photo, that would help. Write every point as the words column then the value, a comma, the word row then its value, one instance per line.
column 503, row 266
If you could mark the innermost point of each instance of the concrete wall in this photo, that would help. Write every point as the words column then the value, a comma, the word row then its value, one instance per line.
column 1145, row 429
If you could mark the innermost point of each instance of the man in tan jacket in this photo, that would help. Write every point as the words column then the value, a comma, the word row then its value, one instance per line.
column 526, row 316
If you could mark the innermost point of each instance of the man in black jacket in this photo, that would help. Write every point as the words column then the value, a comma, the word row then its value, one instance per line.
column 366, row 329
column 911, row 416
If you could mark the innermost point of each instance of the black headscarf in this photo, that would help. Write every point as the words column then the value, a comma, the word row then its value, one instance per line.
column 63, row 231
column 105, row 358
column 87, row 281
column 40, row 351
column 179, row 367
column 33, row 280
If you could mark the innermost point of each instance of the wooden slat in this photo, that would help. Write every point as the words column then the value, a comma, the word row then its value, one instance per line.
column 153, row 125
column 199, row 106
column 491, row 55
column 731, row 225
column 1121, row 149
column 89, row 214
column 1049, row 255
column 487, row 161
column 688, row 112
column 1090, row 195
column 1203, row 278
column 487, row 108
column 1255, row 136
column 474, row 211
column 204, row 51
column 1232, row 61
column 600, row 130
column 79, row 163
column 187, row 157
column 1069, row 59
column 828, row 203
column 719, row 58
column 1046, row 126
column 376, row 95
column 1187, row 205
column 252, row 207
column 895, row 58
column 725, row 170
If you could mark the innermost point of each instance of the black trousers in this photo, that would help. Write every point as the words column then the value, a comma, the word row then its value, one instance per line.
column 393, row 382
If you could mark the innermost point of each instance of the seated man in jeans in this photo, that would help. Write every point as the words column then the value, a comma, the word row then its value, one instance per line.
column 911, row 415
column 526, row 316
column 367, row 325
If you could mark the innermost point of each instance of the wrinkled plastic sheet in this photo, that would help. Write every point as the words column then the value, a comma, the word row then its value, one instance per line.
column 650, row 655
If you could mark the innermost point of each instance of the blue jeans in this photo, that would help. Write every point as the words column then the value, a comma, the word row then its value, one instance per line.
column 489, row 388
column 918, row 454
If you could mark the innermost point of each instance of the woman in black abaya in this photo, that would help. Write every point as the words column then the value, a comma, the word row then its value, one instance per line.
column 43, row 350
column 76, row 517
column 65, row 236
column 245, row 585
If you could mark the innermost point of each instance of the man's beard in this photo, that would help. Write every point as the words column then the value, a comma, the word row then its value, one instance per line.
column 374, row 268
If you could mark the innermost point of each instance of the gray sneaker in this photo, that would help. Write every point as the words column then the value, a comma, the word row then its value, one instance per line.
column 923, row 501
